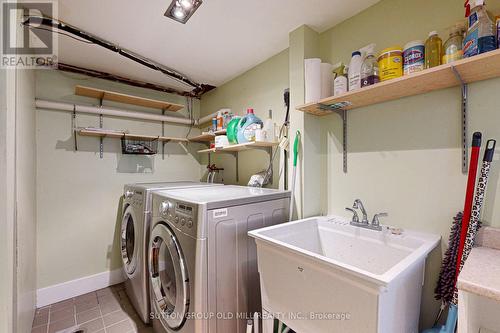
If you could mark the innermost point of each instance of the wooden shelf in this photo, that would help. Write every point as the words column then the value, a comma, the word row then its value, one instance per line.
column 126, row 99
column 117, row 134
column 481, row 67
column 207, row 137
column 240, row 147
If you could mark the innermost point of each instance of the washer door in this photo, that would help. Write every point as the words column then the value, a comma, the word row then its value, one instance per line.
column 169, row 277
column 128, row 240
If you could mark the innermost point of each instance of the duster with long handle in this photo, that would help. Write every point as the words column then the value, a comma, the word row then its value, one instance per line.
column 448, row 282
column 474, row 224
column 469, row 195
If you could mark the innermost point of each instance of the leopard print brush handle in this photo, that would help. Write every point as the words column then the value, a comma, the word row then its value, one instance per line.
column 474, row 224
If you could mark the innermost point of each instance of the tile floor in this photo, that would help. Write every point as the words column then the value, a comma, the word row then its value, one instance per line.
column 103, row 311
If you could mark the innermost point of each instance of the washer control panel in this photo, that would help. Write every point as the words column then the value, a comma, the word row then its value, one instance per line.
column 134, row 198
column 180, row 214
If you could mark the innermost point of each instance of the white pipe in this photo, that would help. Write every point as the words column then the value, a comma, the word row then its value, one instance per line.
column 206, row 119
column 51, row 105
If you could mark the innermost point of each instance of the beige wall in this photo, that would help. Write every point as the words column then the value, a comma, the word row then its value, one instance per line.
column 17, row 200
column 7, row 198
column 260, row 88
column 25, row 198
column 78, row 193
column 404, row 156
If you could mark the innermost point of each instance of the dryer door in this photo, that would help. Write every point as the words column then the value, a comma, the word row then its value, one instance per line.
column 128, row 239
column 169, row 277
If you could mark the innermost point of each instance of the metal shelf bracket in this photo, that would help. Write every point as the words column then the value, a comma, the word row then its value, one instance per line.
column 163, row 134
column 101, row 139
column 464, row 126
column 73, row 124
column 339, row 109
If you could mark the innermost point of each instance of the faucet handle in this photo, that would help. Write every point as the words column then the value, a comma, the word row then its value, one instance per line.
column 355, row 217
column 375, row 221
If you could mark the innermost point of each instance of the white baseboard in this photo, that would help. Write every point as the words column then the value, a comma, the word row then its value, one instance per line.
column 65, row 290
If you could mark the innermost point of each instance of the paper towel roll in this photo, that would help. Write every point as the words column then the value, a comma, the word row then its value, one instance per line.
column 312, row 78
column 326, row 80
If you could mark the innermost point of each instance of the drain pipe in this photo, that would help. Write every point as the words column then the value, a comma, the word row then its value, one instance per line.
column 61, row 106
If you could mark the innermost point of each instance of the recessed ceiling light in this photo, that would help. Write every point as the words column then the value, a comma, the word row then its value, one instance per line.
column 181, row 10
column 186, row 4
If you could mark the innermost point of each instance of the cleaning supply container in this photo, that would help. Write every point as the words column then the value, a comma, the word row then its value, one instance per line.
column 232, row 130
column 369, row 70
column 498, row 31
column 340, row 83
column 413, row 57
column 247, row 126
column 354, row 73
column 433, row 50
column 453, row 46
column 390, row 63
column 481, row 31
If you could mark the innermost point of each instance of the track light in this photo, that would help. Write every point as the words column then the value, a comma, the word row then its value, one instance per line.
column 181, row 10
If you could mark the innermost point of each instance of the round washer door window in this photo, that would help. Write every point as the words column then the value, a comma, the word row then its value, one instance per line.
column 128, row 242
column 169, row 277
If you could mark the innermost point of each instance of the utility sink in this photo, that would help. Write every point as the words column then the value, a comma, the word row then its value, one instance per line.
column 323, row 275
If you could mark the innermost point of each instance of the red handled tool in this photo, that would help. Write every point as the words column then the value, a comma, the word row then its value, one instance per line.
column 469, row 196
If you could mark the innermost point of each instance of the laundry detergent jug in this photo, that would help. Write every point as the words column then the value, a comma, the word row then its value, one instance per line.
column 232, row 130
column 247, row 126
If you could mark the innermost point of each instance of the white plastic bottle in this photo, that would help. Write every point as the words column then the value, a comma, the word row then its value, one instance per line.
column 268, row 128
column 340, row 83
column 355, row 71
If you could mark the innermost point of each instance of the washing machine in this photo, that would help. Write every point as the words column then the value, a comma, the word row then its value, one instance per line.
column 134, row 238
column 202, row 265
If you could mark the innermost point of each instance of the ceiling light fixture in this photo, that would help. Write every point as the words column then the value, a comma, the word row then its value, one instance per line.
column 181, row 10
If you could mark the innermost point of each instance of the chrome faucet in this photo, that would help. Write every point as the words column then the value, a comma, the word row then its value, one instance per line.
column 376, row 222
column 355, row 217
column 374, row 225
column 359, row 205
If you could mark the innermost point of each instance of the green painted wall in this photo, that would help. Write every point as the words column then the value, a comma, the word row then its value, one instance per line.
column 78, row 194
column 404, row 156
column 260, row 88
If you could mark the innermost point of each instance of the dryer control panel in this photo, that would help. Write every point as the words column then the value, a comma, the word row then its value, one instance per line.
column 180, row 214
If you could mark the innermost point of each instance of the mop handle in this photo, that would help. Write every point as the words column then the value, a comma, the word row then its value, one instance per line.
column 471, row 181
column 476, row 209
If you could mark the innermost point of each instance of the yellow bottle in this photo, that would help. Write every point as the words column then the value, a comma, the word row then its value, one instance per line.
column 433, row 50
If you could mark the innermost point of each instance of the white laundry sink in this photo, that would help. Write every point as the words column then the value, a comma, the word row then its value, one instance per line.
column 323, row 275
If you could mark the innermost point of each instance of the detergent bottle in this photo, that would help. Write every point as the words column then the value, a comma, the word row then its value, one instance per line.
column 481, row 32
column 247, row 126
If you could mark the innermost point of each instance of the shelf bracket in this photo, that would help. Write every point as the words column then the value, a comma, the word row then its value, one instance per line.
column 344, row 140
column 237, row 161
column 339, row 108
column 73, row 124
column 464, row 125
column 271, row 171
column 163, row 134
column 101, row 139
